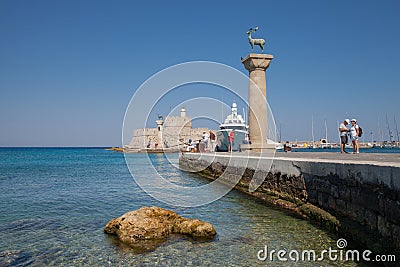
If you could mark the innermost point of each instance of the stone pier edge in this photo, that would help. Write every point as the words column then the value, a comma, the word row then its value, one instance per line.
column 302, row 204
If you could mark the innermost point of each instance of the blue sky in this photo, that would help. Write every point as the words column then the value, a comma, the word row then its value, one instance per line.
column 68, row 69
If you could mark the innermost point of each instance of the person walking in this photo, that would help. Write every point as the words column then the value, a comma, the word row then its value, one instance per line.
column 354, row 133
column 343, row 130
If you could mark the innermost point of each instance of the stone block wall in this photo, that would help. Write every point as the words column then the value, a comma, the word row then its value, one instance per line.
column 359, row 200
column 367, row 199
column 176, row 131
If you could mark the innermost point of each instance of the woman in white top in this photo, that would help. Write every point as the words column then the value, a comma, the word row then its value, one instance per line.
column 354, row 132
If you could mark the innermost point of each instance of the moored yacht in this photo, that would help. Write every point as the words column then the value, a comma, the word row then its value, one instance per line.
column 236, row 122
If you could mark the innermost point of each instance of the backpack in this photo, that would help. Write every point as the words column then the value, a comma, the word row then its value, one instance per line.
column 360, row 132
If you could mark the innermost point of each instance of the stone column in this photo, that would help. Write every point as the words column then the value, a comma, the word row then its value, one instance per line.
column 256, row 64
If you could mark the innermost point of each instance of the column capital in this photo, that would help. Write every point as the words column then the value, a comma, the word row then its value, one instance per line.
column 257, row 61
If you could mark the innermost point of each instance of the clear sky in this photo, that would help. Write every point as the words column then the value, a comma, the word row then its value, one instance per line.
column 68, row 69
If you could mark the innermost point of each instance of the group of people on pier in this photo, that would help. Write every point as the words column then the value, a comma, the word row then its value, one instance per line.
column 207, row 143
column 353, row 132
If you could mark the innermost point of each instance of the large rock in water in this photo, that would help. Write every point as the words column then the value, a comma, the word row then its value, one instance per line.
column 146, row 227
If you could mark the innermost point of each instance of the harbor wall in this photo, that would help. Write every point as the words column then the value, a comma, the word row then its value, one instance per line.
column 175, row 131
column 360, row 200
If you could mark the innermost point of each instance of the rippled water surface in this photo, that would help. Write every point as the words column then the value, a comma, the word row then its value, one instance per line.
column 54, row 203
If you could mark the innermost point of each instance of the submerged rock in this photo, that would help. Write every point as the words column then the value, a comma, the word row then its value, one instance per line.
column 148, row 227
column 15, row 258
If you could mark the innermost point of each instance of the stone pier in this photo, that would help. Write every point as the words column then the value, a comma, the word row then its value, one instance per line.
column 356, row 195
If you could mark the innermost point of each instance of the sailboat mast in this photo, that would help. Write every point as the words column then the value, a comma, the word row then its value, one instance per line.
column 312, row 129
column 397, row 131
column 390, row 133
column 337, row 123
column 222, row 109
column 326, row 132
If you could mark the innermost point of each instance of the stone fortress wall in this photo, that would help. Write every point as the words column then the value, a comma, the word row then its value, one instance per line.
column 172, row 133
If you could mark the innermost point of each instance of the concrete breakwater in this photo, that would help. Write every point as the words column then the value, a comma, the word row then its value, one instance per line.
column 355, row 195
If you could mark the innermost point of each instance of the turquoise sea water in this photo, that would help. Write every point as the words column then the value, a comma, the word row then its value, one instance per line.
column 55, row 202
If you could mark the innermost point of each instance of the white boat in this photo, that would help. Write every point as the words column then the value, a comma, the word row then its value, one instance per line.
column 233, row 121
column 278, row 146
column 325, row 144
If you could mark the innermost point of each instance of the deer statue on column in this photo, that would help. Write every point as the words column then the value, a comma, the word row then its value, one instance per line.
column 259, row 42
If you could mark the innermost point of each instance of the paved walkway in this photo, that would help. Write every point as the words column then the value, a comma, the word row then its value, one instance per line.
column 333, row 157
column 367, row 158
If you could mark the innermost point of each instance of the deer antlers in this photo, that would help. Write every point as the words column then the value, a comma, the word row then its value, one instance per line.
column 253, row 29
